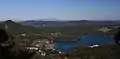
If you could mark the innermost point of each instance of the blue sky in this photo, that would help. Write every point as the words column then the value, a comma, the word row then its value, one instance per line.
column 60, row 9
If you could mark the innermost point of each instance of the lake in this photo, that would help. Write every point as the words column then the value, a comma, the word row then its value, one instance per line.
column 86, row 40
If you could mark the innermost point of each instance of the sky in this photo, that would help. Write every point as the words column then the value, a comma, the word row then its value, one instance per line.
column 60, row 9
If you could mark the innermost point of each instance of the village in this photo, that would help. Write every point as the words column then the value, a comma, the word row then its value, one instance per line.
column 43, row 45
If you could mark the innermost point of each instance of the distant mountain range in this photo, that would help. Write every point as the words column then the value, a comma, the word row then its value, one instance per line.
column 68, row 23
column 66, row 27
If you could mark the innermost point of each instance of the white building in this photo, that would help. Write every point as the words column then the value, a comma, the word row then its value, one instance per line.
column 93, row 46
column 104, row 29
column 23, row 34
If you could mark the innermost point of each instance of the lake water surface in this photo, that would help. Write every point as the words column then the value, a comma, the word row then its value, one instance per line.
column 86, row 40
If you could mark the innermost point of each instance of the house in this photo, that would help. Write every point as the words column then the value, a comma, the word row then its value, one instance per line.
column 23, row 34
column 32, row 48
column 49, row 46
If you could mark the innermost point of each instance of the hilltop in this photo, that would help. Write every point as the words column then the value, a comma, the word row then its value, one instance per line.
column 17, row 28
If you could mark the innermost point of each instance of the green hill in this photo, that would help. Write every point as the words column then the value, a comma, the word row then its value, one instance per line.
column 17, row 28
column 66, row 31
column 102, row 52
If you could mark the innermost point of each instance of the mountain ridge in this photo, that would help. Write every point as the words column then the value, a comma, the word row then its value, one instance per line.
column 39, row 23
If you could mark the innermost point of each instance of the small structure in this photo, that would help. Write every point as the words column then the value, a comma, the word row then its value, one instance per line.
column 23, row 34
column 32, row 48
column 43, row 53
column 55, row 34
column 93, row 46
column 49, row 46
column 43, row 44
column 104, row 29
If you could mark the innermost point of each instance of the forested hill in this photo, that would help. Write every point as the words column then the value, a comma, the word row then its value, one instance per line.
column 65, row 27
column 14, row 27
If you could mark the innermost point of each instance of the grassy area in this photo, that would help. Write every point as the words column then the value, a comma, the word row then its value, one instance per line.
column 103, row 52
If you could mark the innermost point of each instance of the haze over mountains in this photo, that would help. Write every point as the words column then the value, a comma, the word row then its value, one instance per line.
column 39, row 23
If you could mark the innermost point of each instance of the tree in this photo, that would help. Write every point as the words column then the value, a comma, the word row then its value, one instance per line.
column 5, row 49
